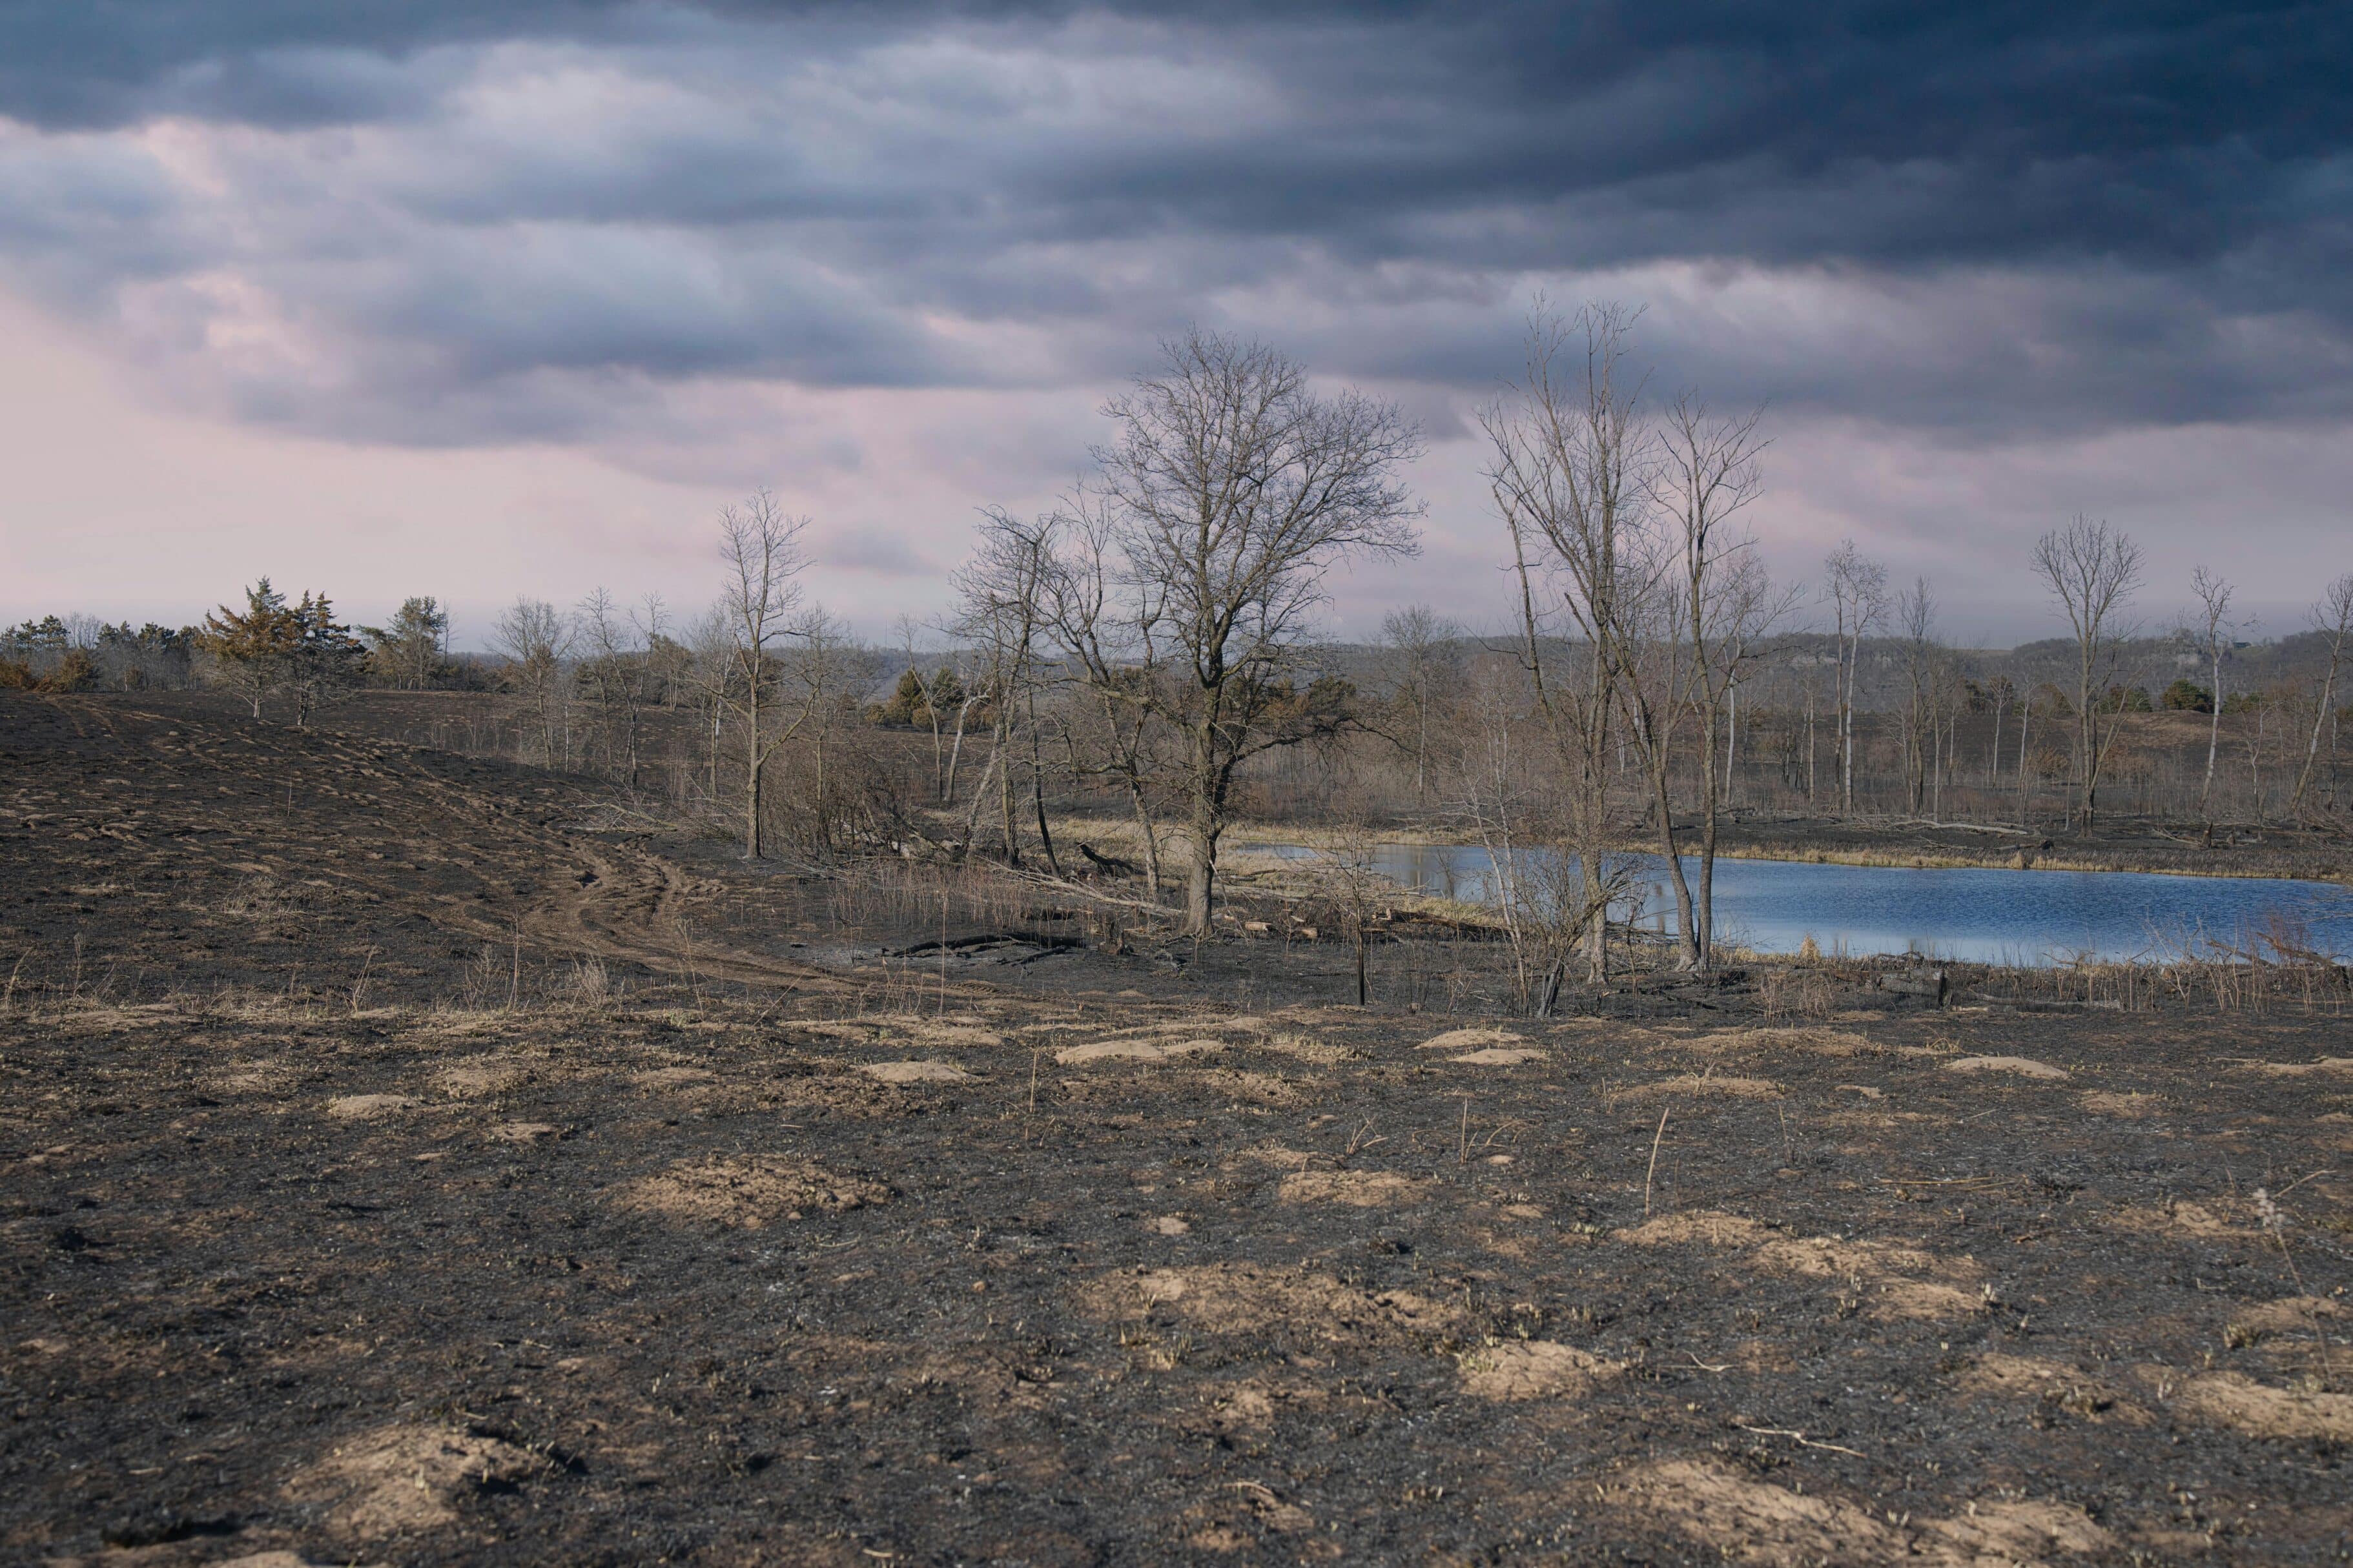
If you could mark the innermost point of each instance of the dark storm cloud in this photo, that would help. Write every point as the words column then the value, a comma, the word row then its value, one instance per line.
column 1973, row 219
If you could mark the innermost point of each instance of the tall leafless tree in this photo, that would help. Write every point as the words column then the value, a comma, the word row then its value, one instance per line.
column 1001, row 593
column 535, row 638
column 761, row 554
column 1105, row 637
column 1231, row 488
column 1566, row 471
column 1857, row 589
column 2212, row 635
column 2093, row 570
column 1915, row 616
column 1707, row 471
column 2332, row 618
column 1415, row 640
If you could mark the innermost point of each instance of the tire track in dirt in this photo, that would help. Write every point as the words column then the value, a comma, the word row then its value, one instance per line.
column 378, row 823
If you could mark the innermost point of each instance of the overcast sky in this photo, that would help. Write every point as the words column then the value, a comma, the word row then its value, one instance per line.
column 477, row 298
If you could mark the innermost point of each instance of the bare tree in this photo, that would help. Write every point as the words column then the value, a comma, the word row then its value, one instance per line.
column 762, row 556
column 2333, row 619
column 1001, row 593
column 1416, row 637
column 1708, row 470
column 1915, row 614
column 937, row 690
column 1231, row 490
column 1857, row 589
column 1567, row 474
column 2213, row 639
column 613, row 674
column 1106, row 639
column 2093, row 571
column 534, row 638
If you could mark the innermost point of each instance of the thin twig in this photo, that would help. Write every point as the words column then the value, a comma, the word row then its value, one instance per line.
column 1655, row 1139
column 1797, row 1437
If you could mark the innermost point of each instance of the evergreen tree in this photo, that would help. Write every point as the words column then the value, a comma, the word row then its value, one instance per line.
column 253, row 649
column 326, row 660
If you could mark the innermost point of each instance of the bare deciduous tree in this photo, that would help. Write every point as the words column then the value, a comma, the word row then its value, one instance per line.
column 1567, row 477
column 1001, row 593
column 1416, row 638
column 2214, row 641
column 534, row 638
column 761, row 550
column 2332, row 618
column 1857, row 589
column 1708, row 470
column 2093, row 570
column 1231, row 488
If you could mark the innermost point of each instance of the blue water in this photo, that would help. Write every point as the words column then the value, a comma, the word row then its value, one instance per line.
column 1988, row 916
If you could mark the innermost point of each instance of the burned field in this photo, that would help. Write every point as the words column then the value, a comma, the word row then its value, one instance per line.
column 331, row 1232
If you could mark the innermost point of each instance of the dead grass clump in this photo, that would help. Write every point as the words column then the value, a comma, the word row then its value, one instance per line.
column 2035, row 1380
column 1888, row 1281
column 917, row 1072
column 485, row 1075
column 929, row 1033
column 1691, row 1083
column 1143, row 1052
column 2024, row 1066
column 1246, row 1299
column 1314, row 1053
column 1795, row 993
column 1499, row 1056
column 748, row 1191
column 589, row 981
column 368, row 1107
column 1474, row 1040
column 1751, row 1521
column 2234, row 1400
column 405, row 1477
column 1813, row 1042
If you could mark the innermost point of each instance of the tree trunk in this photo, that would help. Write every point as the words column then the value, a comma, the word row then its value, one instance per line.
column 2213, row 743
column 1202, row 873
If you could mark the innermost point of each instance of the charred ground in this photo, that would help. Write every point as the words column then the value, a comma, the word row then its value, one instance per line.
column 413, row 1159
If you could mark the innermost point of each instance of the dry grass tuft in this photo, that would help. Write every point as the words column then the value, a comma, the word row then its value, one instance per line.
column 749, row 1191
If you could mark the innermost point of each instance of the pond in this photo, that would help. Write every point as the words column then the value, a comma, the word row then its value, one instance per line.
column 1981, row 915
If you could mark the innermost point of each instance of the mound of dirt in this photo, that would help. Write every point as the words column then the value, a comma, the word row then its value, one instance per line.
column 1532, row 1369
column 1358, row 1189
column 1475, row 1040
column 1892, row 1281
column 1750, row 1521
column 1813, row 1041
column 1248, row 1298
column 917, row 1072
column 2232, row 1399
column 1721, row 1084
column 2025, row 1067
column 402, row 1478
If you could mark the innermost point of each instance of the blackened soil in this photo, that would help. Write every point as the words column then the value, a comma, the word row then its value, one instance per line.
column 737, row 1266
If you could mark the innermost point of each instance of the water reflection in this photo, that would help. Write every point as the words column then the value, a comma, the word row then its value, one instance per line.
column 1984, row 915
